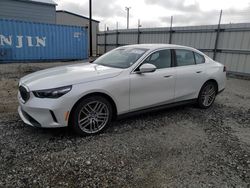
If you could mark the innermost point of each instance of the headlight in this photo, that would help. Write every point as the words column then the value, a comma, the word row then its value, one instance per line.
column 52, row 93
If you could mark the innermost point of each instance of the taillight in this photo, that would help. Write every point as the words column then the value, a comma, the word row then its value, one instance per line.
column 224, row 69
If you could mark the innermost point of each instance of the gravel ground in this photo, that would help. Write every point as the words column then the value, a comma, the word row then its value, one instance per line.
column 179, row 147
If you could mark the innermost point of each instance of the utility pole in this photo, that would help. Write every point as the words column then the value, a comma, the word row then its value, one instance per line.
column 127, row 9
column 90, row 28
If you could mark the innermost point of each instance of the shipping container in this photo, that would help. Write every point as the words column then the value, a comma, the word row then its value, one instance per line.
column 22, row 41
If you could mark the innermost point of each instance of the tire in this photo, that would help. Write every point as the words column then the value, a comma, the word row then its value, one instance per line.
column 92, row 116
column 207, row 95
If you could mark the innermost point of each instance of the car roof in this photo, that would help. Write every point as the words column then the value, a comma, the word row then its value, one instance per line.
column 157, row 46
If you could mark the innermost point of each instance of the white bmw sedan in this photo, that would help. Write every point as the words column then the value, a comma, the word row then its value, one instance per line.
column 126, row 80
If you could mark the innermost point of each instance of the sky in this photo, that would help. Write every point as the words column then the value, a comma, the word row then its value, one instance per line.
column 157, row 13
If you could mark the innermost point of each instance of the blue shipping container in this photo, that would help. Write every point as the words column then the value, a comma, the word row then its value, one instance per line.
column 28, row 41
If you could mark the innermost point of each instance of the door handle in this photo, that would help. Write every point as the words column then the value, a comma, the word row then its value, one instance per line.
column 198, row 71
column 167, row 76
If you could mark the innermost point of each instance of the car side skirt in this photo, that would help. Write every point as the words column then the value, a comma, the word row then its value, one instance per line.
column 156, row 108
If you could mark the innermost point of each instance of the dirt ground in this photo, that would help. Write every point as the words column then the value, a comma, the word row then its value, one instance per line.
column 178, row 147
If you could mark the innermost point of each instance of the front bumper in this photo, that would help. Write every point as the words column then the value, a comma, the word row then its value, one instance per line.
column 38, row 119
column 46, row 113
column 27, row 119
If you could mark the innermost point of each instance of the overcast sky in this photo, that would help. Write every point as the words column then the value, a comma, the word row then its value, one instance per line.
column 157, row 13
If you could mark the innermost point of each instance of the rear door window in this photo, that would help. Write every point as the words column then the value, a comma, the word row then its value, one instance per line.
column 184, row 57
column 199, row 58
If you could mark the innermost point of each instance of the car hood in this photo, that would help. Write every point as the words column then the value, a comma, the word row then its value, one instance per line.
column 68, row 75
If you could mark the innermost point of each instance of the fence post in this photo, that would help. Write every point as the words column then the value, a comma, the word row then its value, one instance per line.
column 138, row 32
column 138, row 36
column 170, row 30
column 217, row 37
column 96, row 48
column 105, row 42
column 117, row 37
column 97, row 45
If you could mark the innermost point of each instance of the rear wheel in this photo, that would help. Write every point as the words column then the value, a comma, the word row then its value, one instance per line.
column 92, row 115
column 207, row 95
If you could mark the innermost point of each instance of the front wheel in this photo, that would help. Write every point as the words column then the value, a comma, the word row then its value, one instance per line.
column 92, row 115
column 207, row 95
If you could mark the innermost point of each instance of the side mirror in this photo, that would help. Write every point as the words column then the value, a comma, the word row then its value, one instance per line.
column 147, row 67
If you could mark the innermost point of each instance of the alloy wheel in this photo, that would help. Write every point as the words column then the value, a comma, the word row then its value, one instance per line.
column 93, row 117
column 208, row 95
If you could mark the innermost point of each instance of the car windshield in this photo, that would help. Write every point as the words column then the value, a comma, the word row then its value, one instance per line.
column 121, row 58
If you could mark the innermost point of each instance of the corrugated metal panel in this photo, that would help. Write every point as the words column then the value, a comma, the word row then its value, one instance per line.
column 247, row 64
column 100, row 39
column 235, row 62
column 26, row 41
column 154, row 38
column 177, row 38
column 242, row 63
column 110, row 48
column 234, row 40
column 209, row 54
column 111, row 38
column 246, row 43
column 233, row 48
column 101, row 50
column 127, row 39
column 26, row 11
